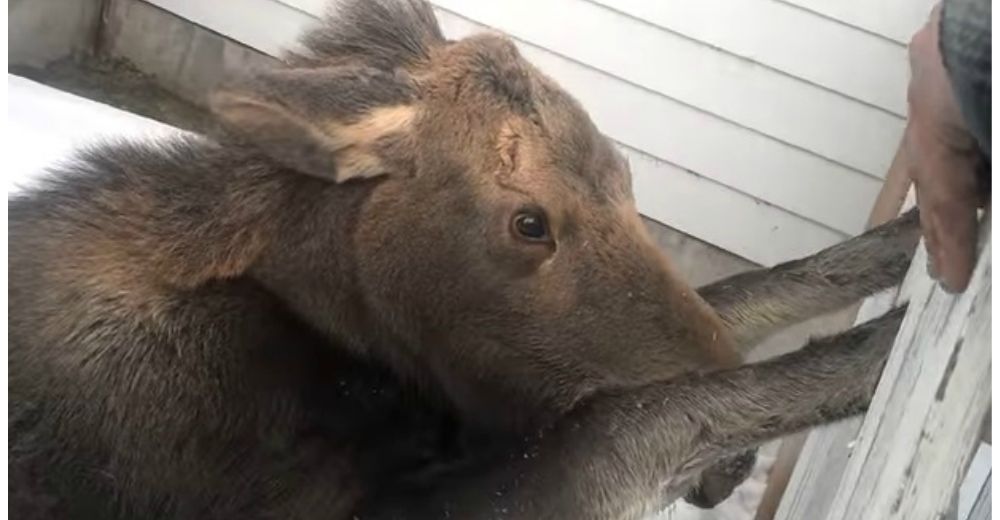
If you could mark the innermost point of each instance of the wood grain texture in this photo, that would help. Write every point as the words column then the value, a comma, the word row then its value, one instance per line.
column 981, row 508
column 827, row 449
column 780, row 475
column 923, row 427
column 976, row 487
column 819, row 463
column 892, row 196
column 830, row 443
column 913, row 447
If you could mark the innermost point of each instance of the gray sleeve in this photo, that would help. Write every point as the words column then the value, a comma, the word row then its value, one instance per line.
column 965, row 47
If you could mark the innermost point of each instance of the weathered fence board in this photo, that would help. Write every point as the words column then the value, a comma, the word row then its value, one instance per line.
column 913, row 447
column 826, row 450
column 981, row 508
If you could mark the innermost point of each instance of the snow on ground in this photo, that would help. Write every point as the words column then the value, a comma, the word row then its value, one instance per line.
column 741, row 505
column 46, row 125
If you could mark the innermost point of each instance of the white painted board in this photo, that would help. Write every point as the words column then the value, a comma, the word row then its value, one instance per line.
column 794, row 41
column 895, row 20
column 924, row 423
column 908, row 457
column 808, row 201
column 737, row 90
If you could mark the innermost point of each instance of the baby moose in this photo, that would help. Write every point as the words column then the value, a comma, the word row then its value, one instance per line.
column 410, row 282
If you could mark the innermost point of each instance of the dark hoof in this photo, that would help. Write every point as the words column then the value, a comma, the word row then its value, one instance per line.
column 719, row 481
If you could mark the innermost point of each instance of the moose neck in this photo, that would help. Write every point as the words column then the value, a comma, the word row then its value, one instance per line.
column 194, row 212
column 211, row 212
column 171, row 218
column 308, row 257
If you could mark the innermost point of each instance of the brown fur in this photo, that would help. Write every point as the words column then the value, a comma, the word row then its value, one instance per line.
column 328, row 313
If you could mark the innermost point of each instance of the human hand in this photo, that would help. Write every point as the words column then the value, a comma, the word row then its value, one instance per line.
column 943, row 158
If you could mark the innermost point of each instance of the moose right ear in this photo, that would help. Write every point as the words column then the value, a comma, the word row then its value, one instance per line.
column 328, row 123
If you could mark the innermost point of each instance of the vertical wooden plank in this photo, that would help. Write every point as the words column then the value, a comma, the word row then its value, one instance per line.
column 981, row 509
column 909, row 455
column 826, row 451
column 971, row 491
column 814, row 461
column 892, row 196
column 780, row 475
column 923, row 425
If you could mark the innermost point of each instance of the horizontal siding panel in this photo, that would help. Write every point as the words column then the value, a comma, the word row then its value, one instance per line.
column 699, row 207
column 749, row 162
column 745, row 160
column 831, row 54
column 791, row 110
column 266, row 25
column 698, row 139
column 313, row 7
column 896, row 20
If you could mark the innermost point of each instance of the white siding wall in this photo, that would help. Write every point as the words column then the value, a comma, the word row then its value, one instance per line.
column 764, row 127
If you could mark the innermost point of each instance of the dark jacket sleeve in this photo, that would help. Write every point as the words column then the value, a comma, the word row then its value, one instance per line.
column 965, row 47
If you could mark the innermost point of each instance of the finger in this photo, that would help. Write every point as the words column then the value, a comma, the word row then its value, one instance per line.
column 930, row 238
column 954, row 228
column 946, row 187
column 946, row 193
column 915, row 165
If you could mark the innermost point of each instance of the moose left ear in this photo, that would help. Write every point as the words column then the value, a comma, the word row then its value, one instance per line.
column 330, row 123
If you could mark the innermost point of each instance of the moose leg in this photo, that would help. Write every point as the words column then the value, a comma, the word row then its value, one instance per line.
column 757, row 303
column 718, row 481
column 628, row 454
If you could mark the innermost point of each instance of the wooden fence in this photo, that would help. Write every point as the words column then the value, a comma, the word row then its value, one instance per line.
column 908, row 456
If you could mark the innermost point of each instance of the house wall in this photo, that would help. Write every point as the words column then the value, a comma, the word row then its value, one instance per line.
column 780, row 116
column 42, row 31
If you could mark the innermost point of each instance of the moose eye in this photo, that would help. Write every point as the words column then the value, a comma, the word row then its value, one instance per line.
column 531, row 225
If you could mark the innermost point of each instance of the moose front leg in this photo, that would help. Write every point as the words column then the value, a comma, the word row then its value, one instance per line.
column 757, row 303
column 628, row 454
column 718, row 481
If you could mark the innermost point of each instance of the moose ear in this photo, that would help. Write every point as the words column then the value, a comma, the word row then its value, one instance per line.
column 335, row 123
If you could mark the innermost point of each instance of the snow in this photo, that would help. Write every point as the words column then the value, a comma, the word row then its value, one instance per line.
column 46, row 125
column 741, row 505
